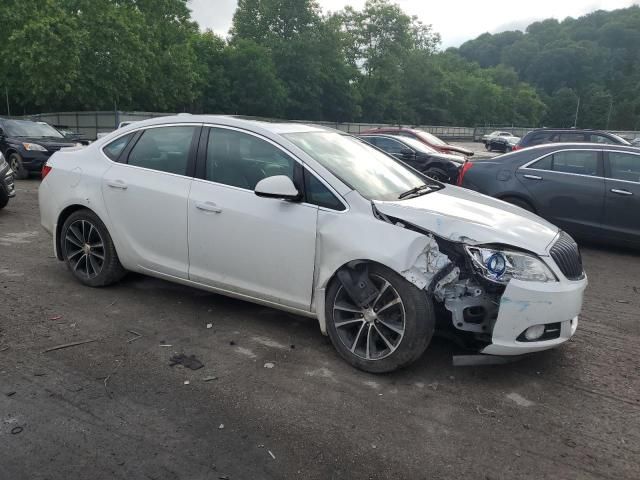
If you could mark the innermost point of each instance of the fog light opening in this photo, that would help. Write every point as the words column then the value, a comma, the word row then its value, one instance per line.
column 534, row 333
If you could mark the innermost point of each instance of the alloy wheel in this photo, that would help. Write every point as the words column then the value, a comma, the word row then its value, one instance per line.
column 374, row 332
column 84, row 248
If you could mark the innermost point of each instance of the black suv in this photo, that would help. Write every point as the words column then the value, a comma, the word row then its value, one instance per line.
column 28, row 145
column 568, row 135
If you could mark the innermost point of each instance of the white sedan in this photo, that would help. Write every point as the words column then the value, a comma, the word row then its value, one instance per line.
column 318, row 223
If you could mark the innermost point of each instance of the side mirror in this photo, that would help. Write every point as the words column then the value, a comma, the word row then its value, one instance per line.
column 278, row 186
column 407, row 152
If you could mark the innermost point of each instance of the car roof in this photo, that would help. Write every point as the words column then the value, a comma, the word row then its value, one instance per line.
column 568, row 130
column 272, row 126
column 579, row 146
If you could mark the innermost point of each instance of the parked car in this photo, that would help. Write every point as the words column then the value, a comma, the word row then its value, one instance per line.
column 422, row 136
column 492, row 135
column 27, row 145
column 7, row 189
column 590, row 190
column 439, row 166
column 315, row 222
column 541, row 136
column 502, row 143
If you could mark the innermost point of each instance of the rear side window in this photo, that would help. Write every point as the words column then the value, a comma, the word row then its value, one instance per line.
column 115, row 148
column 165, row 149
column 538, row 139
column 624, row 166
column 571, row 137
column 578, row 162
column 389, row 145
column 317, row 194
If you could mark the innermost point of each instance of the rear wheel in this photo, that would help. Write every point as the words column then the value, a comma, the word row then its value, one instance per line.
column 88, row 250
column 391, row 333
column 518, row 202
column 488, row 146
column 15, row 162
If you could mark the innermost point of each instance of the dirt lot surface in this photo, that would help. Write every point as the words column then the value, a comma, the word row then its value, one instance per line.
column 114, row 408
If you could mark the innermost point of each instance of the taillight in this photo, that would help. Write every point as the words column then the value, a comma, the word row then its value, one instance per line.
column 45, row 170
column 515, row 147
column 467, row 165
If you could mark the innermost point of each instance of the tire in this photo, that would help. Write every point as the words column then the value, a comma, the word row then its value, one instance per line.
column 487, row 146
column 4, row 200
column 414, row 317
column 90, row 264
column 15, row 162
column 438, row 174
column 518, row 202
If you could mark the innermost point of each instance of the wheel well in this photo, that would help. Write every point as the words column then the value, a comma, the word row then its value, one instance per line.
column 10, row 151
column 518, row 197
column 63, row 218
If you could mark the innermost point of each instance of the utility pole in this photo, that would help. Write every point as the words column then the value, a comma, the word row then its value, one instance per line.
column 6, row 91
column 575, row 122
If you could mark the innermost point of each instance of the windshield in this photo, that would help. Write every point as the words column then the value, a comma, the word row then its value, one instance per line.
column 373, row 174
column 432, row 139
column 25, row 128
column 418, row 145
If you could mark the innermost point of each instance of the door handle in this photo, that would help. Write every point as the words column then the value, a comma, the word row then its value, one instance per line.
column 621, row 192
column 117, row 184
column 208, row 207
column 532, row 177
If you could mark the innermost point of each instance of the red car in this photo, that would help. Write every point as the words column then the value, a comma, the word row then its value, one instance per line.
column 422, row 136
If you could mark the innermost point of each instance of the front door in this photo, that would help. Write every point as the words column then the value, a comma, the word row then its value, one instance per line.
column 147, row 194
column 239, row 242
column 622, row 197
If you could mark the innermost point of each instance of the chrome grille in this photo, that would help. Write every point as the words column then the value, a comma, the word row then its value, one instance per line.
column 566, row 254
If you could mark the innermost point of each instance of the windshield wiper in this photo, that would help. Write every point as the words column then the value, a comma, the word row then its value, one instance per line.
column 414, row 191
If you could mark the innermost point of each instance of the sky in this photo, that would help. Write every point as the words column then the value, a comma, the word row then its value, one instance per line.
column 455, row 20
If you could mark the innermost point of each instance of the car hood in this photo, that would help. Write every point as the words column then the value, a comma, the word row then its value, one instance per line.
column 45, row 141
column 443, row 156
column 465, row 216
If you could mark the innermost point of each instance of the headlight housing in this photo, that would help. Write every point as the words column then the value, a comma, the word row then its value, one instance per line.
column 500, row 266
column 34, row 147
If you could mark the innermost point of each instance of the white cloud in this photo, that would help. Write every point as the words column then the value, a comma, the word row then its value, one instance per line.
column 455, row 20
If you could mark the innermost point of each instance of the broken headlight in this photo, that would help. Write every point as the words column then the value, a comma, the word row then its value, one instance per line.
column 500, row 266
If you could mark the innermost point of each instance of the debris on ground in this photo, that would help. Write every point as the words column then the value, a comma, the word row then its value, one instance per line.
column 165, row 345
column 189, row 361
column 221, row 427
column 11, row 394
column 6, row 347
column 622, row 301
column 269, row 365
column 209, row 379
column 138, row 336
column 187, row 382
column 209, row 325
column 56, row 317
column 232, row 343
column 16, row 430
column 485, row 411
column 271, row 453
column 67, row 345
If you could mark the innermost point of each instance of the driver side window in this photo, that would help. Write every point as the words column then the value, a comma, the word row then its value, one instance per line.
column 241, row 160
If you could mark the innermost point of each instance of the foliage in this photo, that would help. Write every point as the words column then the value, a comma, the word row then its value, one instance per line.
column 287, row 58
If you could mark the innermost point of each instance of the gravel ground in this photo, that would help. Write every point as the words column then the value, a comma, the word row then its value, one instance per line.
column 114, row 409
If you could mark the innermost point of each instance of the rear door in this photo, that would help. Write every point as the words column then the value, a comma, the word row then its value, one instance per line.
column 146, row 194
column 622, row 196
column 567, row 188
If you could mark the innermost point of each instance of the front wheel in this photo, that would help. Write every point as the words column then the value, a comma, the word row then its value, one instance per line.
column 392, row 332
column 88, row 250
column 15, row 162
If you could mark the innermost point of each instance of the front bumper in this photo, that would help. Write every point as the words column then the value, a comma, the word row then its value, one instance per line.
column 525, row 304
column 34, row 160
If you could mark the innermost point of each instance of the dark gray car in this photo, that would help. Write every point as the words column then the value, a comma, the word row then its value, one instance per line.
column 590, row 190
